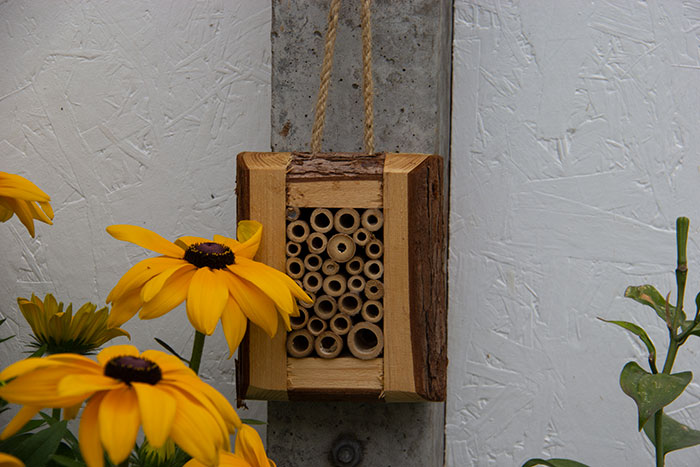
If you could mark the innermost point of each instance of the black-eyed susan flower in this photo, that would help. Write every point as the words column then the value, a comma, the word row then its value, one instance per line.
column 249, row 452
column 218, row 278
column 20, row 196
column 7, row 460
column 59, row 331
column 124, row 390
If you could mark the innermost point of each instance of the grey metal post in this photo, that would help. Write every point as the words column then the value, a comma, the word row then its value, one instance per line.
column 412, row 68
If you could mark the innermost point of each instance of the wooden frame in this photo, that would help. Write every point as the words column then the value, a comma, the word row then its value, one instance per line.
column 409, row 189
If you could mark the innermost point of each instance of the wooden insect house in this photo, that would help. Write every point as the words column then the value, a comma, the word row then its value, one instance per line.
column 364, row 236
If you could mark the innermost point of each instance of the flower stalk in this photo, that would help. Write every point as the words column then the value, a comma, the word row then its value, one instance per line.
column 197, row 350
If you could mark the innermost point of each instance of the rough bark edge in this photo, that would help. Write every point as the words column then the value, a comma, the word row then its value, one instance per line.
column 307, row 167
column 242, row 213
column 427, row 276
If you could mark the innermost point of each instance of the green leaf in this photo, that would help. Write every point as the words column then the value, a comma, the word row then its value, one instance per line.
column 648, row 295
column 252, row 421
column 554, row 463
column 638, row 331
column 651, row 392
column 65, row 461
column 675, row 434
column 171, row 350
column 37, row 449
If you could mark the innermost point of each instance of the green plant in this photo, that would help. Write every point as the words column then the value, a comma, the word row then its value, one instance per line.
column 653, row 390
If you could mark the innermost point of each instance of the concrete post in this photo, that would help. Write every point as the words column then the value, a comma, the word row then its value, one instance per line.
column 412, row 68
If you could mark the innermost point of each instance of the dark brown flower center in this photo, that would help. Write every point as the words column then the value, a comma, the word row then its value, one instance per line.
column 210, row 254
column 133, row 369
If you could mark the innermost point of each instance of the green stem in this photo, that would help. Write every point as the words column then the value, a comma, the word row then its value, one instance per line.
column 658, row 420
column 56, row 413
column 197, row 349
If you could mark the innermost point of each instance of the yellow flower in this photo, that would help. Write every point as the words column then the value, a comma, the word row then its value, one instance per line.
column 124, row 389
column 60, row 331
column 218, row 278
column 20, row 196
column 249, row 452
column 7, row 460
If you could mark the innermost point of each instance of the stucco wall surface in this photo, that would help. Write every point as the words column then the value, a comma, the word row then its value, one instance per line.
column 575, row 146
column 126, row 112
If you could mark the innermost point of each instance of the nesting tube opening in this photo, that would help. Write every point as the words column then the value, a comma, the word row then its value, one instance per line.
column 365, row 340
column 300, row 343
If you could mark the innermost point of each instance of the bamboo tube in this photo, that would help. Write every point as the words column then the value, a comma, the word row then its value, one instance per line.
column 297, row 231
column 374, row 289
column 356, row 284
column 300, row 343
column 293, row 213
column 311, row 295
column 293, row 249
column 335, row 285
column 374, row 269
column 361, row 236
column 350, row 303
column 340, row 324
column 346, row 220
column 328, row 344
column 295, row 267
column 355, row 265
column 312, row 281
column 330, row 267
column 312, row 262
column 325, row 307
column 373, row 311
column 372, row 219
column 316, row 242
column 321, row 220
column 341, row 248
column 365, row 340
column 316, row 326
column 374, row 249
column 299, row 322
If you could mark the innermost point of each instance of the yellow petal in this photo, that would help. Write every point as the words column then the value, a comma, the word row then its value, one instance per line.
column 172, row 294
column 234, row 324
column 221, row 406
column 124, row 308
column 119, row 421
column 69, row 413
column 195, row 430
column 23, row 213
column 187, row 240
column 154, row 285
column 140, row 273
column 25, row 414
column 157, row 412
column 7, row 460
column 89, row 433
column 85, row 385
column 114, row 351
column 250, row 446
column 249, row 234
column 17, row 186
column 206, row 299
column 167, row 363
column 146, row 239
column 257, row 306
column 46, row 207
column 38, row 214
column 24, row 366
column 5, row 211
column 266, row 279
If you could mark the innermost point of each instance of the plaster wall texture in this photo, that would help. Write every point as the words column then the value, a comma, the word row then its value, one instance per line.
column 126, row 112
column 574, row 147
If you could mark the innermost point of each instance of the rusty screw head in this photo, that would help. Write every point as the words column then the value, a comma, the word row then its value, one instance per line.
column 346, row 452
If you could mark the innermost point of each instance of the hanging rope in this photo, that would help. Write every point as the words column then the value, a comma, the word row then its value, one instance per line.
column 327, row 66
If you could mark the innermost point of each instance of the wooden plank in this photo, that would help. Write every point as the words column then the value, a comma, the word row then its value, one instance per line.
column 343, row 378
column 399, row 379
column 335, row 166
column 335, row 194
column 427, row 278
column 263, row 198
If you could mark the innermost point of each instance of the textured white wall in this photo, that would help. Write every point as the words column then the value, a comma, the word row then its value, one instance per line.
column 575, row 147
column 126, row 112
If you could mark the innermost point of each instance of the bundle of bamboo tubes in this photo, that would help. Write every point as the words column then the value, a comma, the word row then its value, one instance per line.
column 336, row 255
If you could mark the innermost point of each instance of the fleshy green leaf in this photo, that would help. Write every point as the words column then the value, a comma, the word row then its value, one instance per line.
column 36, row 449
column 167, row 347
column 648, row 295
column 675, row 434
column 554, row 463
column 639, row 332
column 252, row 421
column 651, row 392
